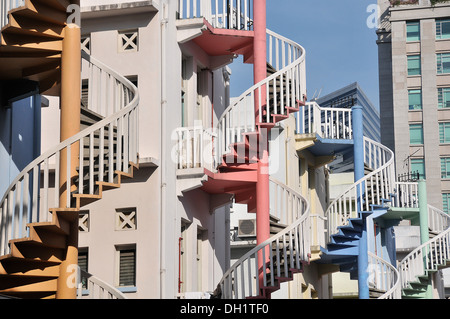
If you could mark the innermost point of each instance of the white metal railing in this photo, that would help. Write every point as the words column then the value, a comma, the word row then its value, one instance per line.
column 92, row 287
column 32, row 193
column 281, row 90
column 282, row 253
column 406, row 195
column 384, row 277
column 328, row 123
column 438, row 221
column 195, row 147
column 428, row 256
column 223, row 14
column 5, row 7
column 371, row 189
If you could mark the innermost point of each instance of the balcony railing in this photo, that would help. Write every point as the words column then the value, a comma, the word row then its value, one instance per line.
column 223, row 14
column 195, row 148
column 328, row 123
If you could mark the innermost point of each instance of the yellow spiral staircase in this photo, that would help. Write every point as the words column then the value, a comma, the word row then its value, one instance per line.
column 38, row 230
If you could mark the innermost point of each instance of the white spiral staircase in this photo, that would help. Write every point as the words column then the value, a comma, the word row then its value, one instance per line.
column 34, row 227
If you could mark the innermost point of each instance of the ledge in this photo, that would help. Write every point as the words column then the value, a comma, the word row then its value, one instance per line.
column 116, row 9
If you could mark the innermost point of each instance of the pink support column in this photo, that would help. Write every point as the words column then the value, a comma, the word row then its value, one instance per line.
column 260, row 73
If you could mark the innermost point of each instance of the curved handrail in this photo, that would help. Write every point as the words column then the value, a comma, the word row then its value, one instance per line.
column 438, row 221
column 384, row 277
column 24, row 202
column 96, row 288
column 427, row 256
column 326, row 122
column 240, row 116
column 372, row 188
column 242, row 279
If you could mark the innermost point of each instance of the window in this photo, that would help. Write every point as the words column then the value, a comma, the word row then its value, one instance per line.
column 445, row 202
column 415, row 99
column 413, row 31
column 443, row 98
column 443, row 63
column 444, row 132
column 418, row 165
column 443, row 29
column 128, row 41
column 416, row 134
column 126, row 265
column 414, row 65
column 445, row 167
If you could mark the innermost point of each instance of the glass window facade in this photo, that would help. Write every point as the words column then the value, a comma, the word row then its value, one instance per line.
column 416, row 134
column 418, row 165
column 414, row 66
column 415, row 99
column 445, row 167
column 443, row 63
column 413, row 31
column 444, row 132
column 443, row 98
column 443, row 29
column 445, row 202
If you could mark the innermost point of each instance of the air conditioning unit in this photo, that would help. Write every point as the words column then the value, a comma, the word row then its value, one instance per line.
column 247, row 228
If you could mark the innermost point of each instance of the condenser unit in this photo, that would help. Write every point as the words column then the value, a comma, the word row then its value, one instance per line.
column 247, row 228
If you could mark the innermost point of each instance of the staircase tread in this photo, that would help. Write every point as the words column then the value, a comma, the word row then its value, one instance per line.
column 52, row 227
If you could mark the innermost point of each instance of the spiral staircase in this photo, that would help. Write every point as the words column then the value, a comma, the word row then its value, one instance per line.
column 236, row 160
column 35, row 229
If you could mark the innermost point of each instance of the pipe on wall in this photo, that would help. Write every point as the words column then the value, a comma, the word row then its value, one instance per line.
column 162, row 218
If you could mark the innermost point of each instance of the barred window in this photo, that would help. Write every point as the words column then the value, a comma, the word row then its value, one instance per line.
column 445, row 167
column 443, row 29
column 444, row 132
column 443, row 63
column 443, row 98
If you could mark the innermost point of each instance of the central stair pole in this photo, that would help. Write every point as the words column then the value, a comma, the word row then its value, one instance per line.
column 69, row 126
column 358, row 149
column 262, row 184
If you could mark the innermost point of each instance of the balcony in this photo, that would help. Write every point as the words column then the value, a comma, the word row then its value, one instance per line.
column 220, row 28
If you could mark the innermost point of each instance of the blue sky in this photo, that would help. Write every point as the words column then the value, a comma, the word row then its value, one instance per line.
column 340, row 47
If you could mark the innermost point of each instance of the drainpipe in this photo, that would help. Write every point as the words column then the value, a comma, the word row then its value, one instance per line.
column 162, row 248
column 358, row 149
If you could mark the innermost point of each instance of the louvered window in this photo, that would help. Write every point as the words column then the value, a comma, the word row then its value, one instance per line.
column 127, row 267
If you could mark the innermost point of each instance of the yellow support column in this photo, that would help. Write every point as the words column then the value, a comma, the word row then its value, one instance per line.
column 69, row 126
